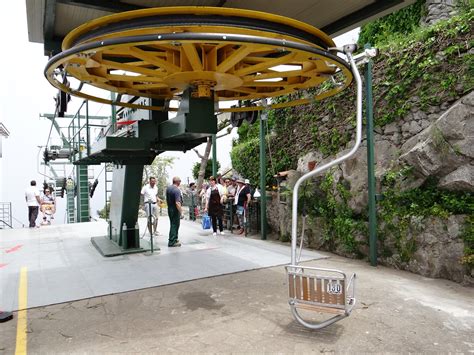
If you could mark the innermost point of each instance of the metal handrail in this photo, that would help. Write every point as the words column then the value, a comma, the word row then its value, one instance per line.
column 76, row 138
column 294, row 219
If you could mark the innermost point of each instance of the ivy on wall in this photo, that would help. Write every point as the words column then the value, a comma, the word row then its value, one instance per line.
column 430, row 66
column 422, row 70
column 399, row 208
column 400, row 23
column 340, row 225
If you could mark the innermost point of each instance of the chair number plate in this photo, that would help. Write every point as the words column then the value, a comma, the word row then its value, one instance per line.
column 333, row 288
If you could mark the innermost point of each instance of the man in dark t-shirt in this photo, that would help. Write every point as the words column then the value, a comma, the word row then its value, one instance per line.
column 175, row 205
column 243, row 198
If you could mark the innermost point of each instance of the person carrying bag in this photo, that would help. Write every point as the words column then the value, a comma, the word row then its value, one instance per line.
column 215, row 197
column 206, row 221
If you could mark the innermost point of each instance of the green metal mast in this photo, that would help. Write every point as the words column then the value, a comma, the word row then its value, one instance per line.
column 214, row 156
column 263, row 170
column 371, row 163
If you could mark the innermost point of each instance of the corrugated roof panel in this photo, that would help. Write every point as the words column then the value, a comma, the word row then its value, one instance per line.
column 331, row 13
column 319, row 13
column 68, row 17
column 163, row 3
column 35, row 15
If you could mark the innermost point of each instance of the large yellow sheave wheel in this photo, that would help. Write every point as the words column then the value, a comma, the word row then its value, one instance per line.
column 229, row 54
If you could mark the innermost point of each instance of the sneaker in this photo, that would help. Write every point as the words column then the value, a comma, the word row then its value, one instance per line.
column 156, row 233
column 222, row 232
column 214, row 234
column 177, row 244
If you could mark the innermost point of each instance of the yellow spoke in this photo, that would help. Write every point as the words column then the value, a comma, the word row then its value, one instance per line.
column 130, row 68
column 170, row 67
column 193, row 56
column 140, row 78
column 150, row 86
column 234, row 58
column 268, row 64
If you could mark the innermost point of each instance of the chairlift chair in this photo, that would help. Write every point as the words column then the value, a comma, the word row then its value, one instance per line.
column 321, row 290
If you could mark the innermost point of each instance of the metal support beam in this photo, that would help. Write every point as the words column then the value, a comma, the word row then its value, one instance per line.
column 50, row 116
column 52, row 45
column 113, row 120
column 103, row 5
column 263, row 173
column 371, row 163
column 360, row 15
column 49, row 19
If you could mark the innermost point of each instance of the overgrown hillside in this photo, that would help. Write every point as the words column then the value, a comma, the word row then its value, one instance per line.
column 416, row 78
column 429, row 67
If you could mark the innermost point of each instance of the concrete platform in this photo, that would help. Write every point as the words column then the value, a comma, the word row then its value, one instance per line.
column 63, row 265
column 247, row 312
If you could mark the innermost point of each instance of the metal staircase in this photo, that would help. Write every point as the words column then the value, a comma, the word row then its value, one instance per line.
column 82, row 186
column 109, row 170
column 5, row 215
column 71, row 206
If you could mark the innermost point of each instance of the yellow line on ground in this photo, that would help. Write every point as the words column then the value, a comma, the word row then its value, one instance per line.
column 22, row 304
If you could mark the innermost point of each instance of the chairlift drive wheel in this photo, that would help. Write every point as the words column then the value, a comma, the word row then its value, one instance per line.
column 231, row 54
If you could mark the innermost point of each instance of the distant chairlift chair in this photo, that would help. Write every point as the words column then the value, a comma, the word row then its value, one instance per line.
column 317, row 289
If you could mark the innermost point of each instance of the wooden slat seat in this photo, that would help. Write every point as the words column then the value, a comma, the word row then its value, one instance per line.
column 312, row 307
column 320, row 290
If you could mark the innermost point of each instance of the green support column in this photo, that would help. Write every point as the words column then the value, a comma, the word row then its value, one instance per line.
column 125, row 200
column 371, row 163
column 263, row 173
column 214, row 156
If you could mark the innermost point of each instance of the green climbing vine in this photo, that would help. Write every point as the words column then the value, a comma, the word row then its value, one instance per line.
column 402, row 22
column 399, row 210
column 341, row 225
column 413, row 72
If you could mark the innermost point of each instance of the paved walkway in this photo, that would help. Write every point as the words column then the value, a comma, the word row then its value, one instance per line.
column 247, row 312
column 62, row 265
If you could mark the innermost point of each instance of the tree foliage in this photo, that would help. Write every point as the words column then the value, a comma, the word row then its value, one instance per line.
column 158, row 169
column 208, row 172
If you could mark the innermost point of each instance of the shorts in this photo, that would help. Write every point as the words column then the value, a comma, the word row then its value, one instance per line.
column 240, row 210
column 154, row 209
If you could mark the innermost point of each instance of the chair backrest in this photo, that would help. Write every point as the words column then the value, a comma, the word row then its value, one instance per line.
column 321, row 290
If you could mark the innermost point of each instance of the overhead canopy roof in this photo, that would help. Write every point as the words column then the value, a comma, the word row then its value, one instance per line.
column 50, row 20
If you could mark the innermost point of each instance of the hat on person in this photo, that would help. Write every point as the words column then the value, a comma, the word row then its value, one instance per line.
column 241, row 181
column 247, row 181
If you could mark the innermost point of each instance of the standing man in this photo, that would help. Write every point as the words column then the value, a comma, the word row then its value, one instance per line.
column 150, row 198
column 243, row 199
column 32, row 197
column 175, row 203
column 193, row 194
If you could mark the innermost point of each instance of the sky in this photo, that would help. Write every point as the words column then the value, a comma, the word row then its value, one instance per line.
column 25, row 93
